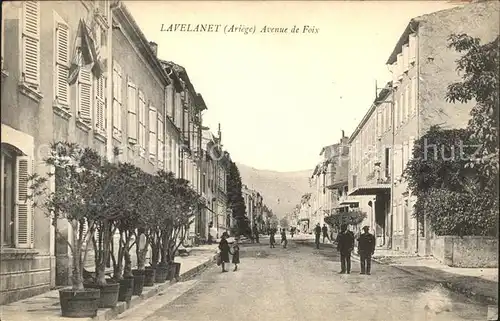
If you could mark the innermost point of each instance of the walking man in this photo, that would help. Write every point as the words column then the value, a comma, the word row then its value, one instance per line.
column 345, row 245
column 283, row 238
column 325, row 233
column 366, row 248
column 317, row 233
column 256, row 233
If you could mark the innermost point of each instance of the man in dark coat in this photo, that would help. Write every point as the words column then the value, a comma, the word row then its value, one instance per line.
column 317, row 234
column 325, row 233
column 345, row 245
column 366, row 248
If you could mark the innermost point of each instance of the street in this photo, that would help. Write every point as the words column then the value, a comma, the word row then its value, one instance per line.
column 302, row 283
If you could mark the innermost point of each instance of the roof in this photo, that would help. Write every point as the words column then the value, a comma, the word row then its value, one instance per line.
column 382, row 95
column 140, row 40
column 172, row 73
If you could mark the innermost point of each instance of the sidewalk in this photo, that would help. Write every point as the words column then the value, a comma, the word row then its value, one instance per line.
column 479, row 284
column 45, row 307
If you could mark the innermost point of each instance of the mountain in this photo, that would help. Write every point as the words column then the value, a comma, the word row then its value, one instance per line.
column 281, row 190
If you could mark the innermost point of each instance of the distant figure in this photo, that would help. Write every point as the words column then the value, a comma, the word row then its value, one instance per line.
column 317, row 233
column 366, row 248
column 325, row 233
column 292, row 231
column 283, row 238
column 272, row 240
column 224, row 250
column 345, row 245
column 256, row 233
column 236, row 254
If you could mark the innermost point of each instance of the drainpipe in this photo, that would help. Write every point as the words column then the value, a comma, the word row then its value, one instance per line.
column 392, row 168
column 109, row 80
column 417, row 66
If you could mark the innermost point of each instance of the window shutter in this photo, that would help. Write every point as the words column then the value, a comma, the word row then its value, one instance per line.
column 142, row 125
column 405, row 155
column 85, row 94
column 396, row 113
column 31, row 43
column 132, row 111
column 100, row 103
column 117, row 100
column 400, row 66
column 405, row 58
column 413, row 102
column 161, row 142
column 152, row 131
column 401, row 108
column 22, row 211
column 411, row 144
column 62, row 62
column 412, row 48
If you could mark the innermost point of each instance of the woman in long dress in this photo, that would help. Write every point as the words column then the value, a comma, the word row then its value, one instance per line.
column 224, row 251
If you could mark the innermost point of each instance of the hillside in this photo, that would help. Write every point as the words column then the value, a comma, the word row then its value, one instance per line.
column 281, row 190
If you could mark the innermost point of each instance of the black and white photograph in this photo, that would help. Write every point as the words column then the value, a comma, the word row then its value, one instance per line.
column 249, row 160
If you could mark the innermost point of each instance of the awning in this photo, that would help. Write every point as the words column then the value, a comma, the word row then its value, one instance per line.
column 349, row 203
column 371, row 190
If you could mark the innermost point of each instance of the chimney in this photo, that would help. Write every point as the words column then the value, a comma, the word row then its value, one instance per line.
column 154, row 47
column 343, row 134
column 219, row 134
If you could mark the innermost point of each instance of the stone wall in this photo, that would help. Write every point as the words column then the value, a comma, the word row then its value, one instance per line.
column 467, row 251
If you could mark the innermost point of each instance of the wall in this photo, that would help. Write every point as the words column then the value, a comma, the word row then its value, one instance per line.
column 466, row 252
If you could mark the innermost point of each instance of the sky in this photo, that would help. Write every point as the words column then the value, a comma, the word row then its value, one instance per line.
column 281, row 97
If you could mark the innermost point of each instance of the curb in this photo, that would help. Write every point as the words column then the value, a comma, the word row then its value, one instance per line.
column 111, row 313
column 481, row 298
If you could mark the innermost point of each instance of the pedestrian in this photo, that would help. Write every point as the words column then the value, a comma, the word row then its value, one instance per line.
column 283, row 238
column 236, row 254
column 366, row 248
column 345, row 245
column 325, row 233
column 292, row 231
column 317, row 233
column 256, row 233
column 224, row 250
column 272, row 240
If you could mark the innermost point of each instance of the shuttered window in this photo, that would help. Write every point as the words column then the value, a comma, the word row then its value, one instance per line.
column 412, row 48
column 85, row 95
column 23, row 211
column 117, row 100
column 31, row 43
column 61, row 38
column 100, row 104
column 132, row 112
column 396, row 113
column 161, row 142
column 142, row 122
column 169, row 100
column 405, row 155
column 153, row 122
column 407, row 101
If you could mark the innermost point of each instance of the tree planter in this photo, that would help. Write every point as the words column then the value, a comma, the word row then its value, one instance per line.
column 177, row 269
column 139, row 278
column 174, row 271
column 126, row 289
column 149, row 276
column 79, row 304
column 161, row 274
column 109, row 293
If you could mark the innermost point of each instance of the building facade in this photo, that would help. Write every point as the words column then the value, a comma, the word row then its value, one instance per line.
column 126, row 104
column 422, row 66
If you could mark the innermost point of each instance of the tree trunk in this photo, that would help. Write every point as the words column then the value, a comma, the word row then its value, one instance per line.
column 104, row 255
column 141, row 249
column 77, row 273
column 127, row 270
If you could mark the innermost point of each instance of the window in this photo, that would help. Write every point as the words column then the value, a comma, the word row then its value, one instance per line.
column 169, row 101
column 142, row 124
column 100, row 104
column 396, row 113
column 131, row 111
column 17, row 215
column 178, row 110
column 407, row 102
column 118, row 103
column 30, row 39
column 61, row 39
column 153, row 122
column 161, row 142
column 412, row 48
column 84, row 95
column 405, row 155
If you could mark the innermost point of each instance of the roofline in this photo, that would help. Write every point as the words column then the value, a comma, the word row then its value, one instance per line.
column 410, row 28
column 201, row 102
column 143, row 42
column 381, row 95
column 174, row 75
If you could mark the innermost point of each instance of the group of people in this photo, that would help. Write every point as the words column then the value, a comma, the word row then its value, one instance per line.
column 345, row 246
column 225, row 249
column 272, row 238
